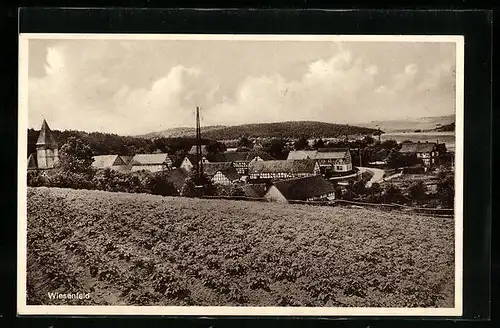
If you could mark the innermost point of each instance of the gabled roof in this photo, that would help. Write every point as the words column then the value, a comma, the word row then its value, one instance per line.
column 302, row 154
column 304, row 188
column 226, row 168
column 262, row 154
column 32, row 163
column 255, row 190
column 204, row 150
column 45, row 136
column 126, row 159
column 417, row 147
column 322, row 153
column 245, row 156
column 151, row 159
column 283, row 166
column 103, row 161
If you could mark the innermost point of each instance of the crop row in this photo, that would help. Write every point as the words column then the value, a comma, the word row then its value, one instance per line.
column 150, row 250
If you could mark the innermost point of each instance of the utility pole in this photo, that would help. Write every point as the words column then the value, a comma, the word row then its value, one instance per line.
column 199, row 154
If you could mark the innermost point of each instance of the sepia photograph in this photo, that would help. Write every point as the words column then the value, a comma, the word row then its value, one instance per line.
column 217, row 174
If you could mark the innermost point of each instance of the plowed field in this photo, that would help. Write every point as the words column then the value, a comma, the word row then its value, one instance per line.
column 134, row 249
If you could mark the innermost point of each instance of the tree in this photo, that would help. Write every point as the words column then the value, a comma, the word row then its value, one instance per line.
column 394, row 160
column 244, row 142
column 359, row 187
column 392, row 194
column 188, row 189
column 236, row 190
column 301, row 143
column 319, row 144
column 367, row 140
column 275, row 147
column 75, row 156
column 446, row 190
column 418, row 190
column 215, row 147
column 375, row 188
column 389, row 144
column 160, row 185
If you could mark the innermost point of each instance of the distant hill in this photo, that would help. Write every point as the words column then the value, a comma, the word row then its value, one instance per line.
column 412, row 124
column 445, row 128
column 292, row 129
column 180, row 132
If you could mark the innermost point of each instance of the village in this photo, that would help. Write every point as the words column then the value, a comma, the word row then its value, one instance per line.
column 311, row 171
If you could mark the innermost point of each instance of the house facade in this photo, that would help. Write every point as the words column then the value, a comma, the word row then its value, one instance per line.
column 242, row 160
column 151, row 162
column 302, row 189
column 47, row 152
column 429, row 153
column 222, row 173
column 338, row 160
column 283, row 169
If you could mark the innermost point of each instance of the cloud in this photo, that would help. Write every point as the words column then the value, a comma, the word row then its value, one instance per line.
column 124, row 89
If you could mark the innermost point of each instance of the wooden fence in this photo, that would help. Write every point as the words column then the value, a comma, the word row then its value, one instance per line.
column 435, row 212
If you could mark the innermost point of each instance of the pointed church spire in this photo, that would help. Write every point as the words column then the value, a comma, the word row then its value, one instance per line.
column 45, row 138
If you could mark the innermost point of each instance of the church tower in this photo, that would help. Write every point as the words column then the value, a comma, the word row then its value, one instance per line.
column 46, row 148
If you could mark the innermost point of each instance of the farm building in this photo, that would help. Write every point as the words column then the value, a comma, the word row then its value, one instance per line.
column 113, row 162
column 283, row 169
column 429, row 152
column 337, row 159
column 306, row 189
column 47, row 153
column 191, row 161
column 221, row 173
column 241, row 160
column 150, row 162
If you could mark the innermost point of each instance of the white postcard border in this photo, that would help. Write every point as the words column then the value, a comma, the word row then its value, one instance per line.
column 24, row 309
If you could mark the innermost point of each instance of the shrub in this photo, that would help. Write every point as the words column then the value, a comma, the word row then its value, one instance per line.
column 159, row 185
column 392, row 194
column 446, row 190
column 418, row 190
column 375, row 188
column 37, row 179
column 188, row 189
column 66, row 179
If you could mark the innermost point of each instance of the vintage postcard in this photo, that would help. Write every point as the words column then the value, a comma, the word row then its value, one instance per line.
column 240, row 175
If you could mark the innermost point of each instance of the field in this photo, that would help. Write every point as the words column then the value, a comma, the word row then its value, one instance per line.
column 134, row 249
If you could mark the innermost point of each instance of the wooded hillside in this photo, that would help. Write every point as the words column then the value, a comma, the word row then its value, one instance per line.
column 266, row 130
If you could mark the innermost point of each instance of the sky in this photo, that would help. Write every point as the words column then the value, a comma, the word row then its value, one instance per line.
column 133, row 87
